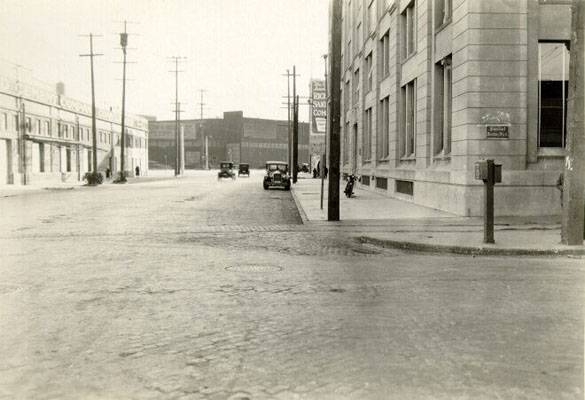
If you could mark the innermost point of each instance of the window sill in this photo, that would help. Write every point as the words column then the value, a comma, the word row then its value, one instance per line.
column 408, row 57
column 442, row 156
column 552, row 152
column 443, row 26
column 384, row 160
column 408, row 158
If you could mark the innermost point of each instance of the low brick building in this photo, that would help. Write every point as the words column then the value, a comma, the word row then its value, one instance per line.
column 231, row 138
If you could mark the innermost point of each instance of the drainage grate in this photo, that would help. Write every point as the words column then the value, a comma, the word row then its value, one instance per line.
column 254, row 268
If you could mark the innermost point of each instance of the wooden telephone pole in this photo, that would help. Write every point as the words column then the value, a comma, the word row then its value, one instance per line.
column 333, row 116
column 91, row 55
column 572, row 228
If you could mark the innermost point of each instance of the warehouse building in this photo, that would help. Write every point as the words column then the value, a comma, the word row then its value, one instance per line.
column 46, row 136
column 231, row 138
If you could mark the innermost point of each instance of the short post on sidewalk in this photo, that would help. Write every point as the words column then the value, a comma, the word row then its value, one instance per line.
column 490, row 174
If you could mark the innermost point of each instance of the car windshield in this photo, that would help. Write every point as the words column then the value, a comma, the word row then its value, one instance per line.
column 226, row 165
column 275, row 167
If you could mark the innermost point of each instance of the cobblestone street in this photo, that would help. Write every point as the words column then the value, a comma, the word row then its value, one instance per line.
column 202, row 289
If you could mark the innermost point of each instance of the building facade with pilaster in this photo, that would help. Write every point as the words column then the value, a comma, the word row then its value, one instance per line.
column 430, row 87
column 46, row 136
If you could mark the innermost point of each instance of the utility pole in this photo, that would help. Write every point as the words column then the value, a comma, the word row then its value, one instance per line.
column 178, row 152
column 289, row 155
column 323, row 162
column 295, row 140
column 572, row 227
column 91, row 55
column 123, row 43
column 203, row 135
column 333, row 116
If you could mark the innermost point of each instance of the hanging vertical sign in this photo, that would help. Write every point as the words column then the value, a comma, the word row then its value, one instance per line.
column 318, row 106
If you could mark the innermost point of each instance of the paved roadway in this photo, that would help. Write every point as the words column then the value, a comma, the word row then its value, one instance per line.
column 198, row 289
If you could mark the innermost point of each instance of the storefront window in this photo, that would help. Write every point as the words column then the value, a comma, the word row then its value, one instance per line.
column 553, row 84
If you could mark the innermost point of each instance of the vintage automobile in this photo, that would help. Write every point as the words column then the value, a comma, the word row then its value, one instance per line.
column 276, row 175
column 226, row 170
column 244, row 169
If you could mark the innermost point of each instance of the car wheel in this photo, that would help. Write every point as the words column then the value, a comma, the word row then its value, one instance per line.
column 265, row 186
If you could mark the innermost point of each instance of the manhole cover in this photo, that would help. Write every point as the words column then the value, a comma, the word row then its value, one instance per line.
column 254, row 268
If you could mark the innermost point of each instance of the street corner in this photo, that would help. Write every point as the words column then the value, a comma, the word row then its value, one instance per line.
column 471, row 244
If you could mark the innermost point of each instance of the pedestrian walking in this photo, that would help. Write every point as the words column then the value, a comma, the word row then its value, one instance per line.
column 137, row 170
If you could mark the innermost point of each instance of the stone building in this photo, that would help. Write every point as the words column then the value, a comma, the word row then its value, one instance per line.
column 256, row 140
column 429, row 87
column 46, row 136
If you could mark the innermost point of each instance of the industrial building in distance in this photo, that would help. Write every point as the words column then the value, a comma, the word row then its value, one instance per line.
column 232, row 138
column 429, row 88
column 46, row 136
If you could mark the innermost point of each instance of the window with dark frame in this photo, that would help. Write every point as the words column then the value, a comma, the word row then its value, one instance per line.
column 443, row 106
column 408, row 134
column 356, row 86
column 385, row 55
column 372, row 20
column 41, row 157
column 369, row 71
column 409, row 30
column 443, row 12
column 367, row 136
column 383, row 132
column 553, row 84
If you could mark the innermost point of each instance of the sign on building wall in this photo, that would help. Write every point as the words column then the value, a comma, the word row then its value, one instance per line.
column 497, row 131
column 318, row 106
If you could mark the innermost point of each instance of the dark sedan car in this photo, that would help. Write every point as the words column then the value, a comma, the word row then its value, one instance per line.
column 226, row 170
column 276, row 175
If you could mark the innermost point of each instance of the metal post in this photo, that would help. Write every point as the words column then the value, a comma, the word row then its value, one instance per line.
column 488, row 209
column 93, row 123
column 335, row 110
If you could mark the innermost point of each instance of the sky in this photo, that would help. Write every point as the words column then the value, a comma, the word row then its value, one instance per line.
column 236, row 50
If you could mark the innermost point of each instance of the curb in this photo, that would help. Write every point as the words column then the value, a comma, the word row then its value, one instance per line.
column 300, row 209
column 469, row 250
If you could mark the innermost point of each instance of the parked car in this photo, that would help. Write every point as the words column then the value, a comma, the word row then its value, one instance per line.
column 226, row 170
column 244, row 169
column 277, row 175
column 304, row 168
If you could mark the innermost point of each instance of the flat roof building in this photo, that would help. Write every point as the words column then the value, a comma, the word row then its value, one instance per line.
column 231, row 138
column 46, row 136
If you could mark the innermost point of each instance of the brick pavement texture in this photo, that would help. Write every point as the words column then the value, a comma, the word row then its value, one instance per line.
column 203, row 290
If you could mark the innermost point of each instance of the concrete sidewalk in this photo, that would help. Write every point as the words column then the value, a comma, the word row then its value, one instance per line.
column 391, row 222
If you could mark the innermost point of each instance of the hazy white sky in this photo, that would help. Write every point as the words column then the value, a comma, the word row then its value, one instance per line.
column 236, row 50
